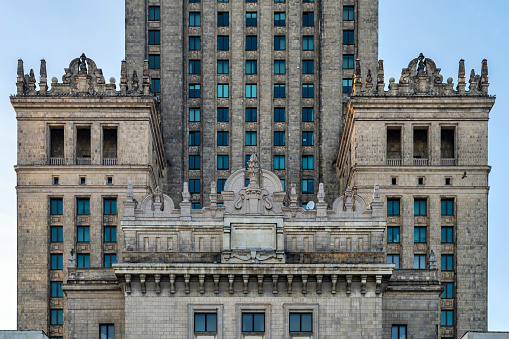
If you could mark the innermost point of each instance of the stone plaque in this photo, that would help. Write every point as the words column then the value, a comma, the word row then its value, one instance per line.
column 253, row 236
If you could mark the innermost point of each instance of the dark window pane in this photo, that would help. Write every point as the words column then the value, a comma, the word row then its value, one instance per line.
column 294, row 322
column 154, row 37
column 211, row 322
column 348, row 13
column 199, row 322
column 154, row 13
column 247, row 322
column 348, row 38
column 306, row 322
column 259, row 322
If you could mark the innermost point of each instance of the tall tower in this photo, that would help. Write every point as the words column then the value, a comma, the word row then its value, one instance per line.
column 243, row 77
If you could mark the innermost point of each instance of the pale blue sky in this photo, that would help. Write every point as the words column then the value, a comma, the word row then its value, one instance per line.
column 446, row 31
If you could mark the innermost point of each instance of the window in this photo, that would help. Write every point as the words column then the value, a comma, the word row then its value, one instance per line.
column 251, row 67
column 279, row 114
column 279, row 67
column 348, row 38
column 279, row 0
column 56, row 206
column 107, row 331
column 279, row 19
column 420, row 181
column 447, row 206
column 307, row 138
column 250, row 114
column 279, row 91
column 222, row 138
column 394, row 181
column 223, row 67
column 307, row 91
column 308, row 43
column 419, row 234
column 83, row 260
column 205, row 322
column 222, row 162
column 83, row 206
column 154, row 37
column 308, row 66
column 57, row 317
column 194, row 162
column 194, row 67
column 420, row 207
column 222, row 90
column 56, row 180
column 283, row 183
column 308, row 1
column 109, row 259
column 223, row 19
column 56, row 261
column 447, row 235
column 301, row 322
column 154, row 13
column 250, row 91
column 448, row 290
column 251, row 0
column 308, row 19
column 222, row 0
column 220, row 185
column 251, row 43
column 223, row 114
column 194, row 114
column 347, row 85
column 83, row 233
column 307, row 162
column 83, row 180
column 279, row 138
column 447, row 181
column 446, row 318
column 197, row 205
column 110, row 234
column 348, row 12
column 307, row 114
column 393, row 259
column 194, row 185
column 250, row 138
column 194, row 19
column 348, row 61
column 307, row 186
column 110, row 180
column 393, row 234
column 57, row 234
column 194, row 91
column 110, row 206
column 251, row 19
column 223, row 43
column 279, row 162
column 398, row 331
column 194, row 43
column 446, row 262
column 154, row 61
column 56, row 289
column 279, row 43
column 194, row 138
column 253, row 322
column 420, row 261
column 392, row 206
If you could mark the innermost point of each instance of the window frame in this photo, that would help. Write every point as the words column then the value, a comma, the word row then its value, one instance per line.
column 59, row 258
column 194, row 162
column 193, row 184
column 307, row 114
column 108, row 230
column 279, row 22
column 279, row 114
column 279, row 91
column 249, row 21
column 59, row 314
column 205, row 308
column 222, row 41
column 277, row 138
column 447, row 204
column 83, row 233
column 448, row 292
column 251, row 43
column 223, row 90
column 251, row 114
column 112, row 202
column 279, row 162
column 249, row 93
column 445, row 260
column 392, row 261
column 302, row 308
column 348, row 37
column 221, row 165
column 194, row 39
column 449, row 233
column 56, row 286
column 449, row 315
column 154, row 61
column 419, row 231
column 154, row 37
column 347, row 85
column 85, row 208
column 348, row 13
column 194, row 67
column 305, row 136
column 223, row 138
column 308, row 182
column 308, row 43
column 308, row 19
column 153, row 14
column 194, row 138
column 221, row 66
column 279, row 43
column 194, row 19
column 349, row 60
column 223, row 112
column 390, row 233
column 58, row 231
column 107, row 327
column 85, row 263
column 308, row 91
column 277, row 66
column 391, row 211
column 421, row 261
column 306, row 164
column 398, row 328
column 249, row 138
column 59, row 205
column 420, row 205
column 251, row 67
column 221, row 20
column 241, row 309
column 110, row 256
column 306, row 65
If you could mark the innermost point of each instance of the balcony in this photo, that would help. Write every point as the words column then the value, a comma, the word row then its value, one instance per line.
column 393, row 162
column 109, row 161
column 83, row 161
column 56, row 161
column 447, row 162
column 420, row 162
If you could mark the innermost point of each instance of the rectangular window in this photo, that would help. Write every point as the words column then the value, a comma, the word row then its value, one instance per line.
column 279, row 114
column 348, row 12
column 392, row 206
column 194, row 91
column 197, row 205
column 251, row 0
column 393, row 259
column 279, row 138
column 446, row 318
column 307, row 186
column 393, row 234
column 251, row 43
column 223, row 67
column 307, row 114
column 348, row 61
column 250, row 138
column 57, row 234
column 194, row 138
column 279, row 162
column 279, row 91
column 307, row 138
column 83, row 260
column 220, row 185
column 308, row 43
column 250, row 114
column 223, row 19
column 419, row 206
column 307, row 162
column 308, row 19
column 223, row 43
column 156, row 85
column 154, row 13
column 83, row 233
column 447, row 235
column 447, row 262
column 448, row 292
column 301, row 322
column 205, row 322
column 194, row 162
column 56, row 261
column 419, row 234
column 222, row 90
column 56, row 289
column 250, row 91
column 194, row 19
column 447, row 206
column 279, row 19
column 251, row 67
column 109, row 259
column 83, row 206
column 194, row 43
column 110, row 206
column 398, row 332
column 154, row 61
column 308, row 66
column 279, row 67
column 194, row 185
column 107, row 331
column 279, row 43
column 56, row 206
column 222, row 162
column 307, row 91
column 154, row 37
column 223, row 114
column 194, row 114
column 347, row 85
column 253, row 322
column 348, row 38
column 194, row 67
column 56, row 317
column 251, row 19
column 222, row 138
column 420, row 261
column 110, row 234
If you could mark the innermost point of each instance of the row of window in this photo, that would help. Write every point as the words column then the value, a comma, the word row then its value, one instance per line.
column 420, row 206
column 223, row 114
column 223, row 90
column 447, row 262
column 83, row 206
column 223, row 19
column 83, row 234
column 223, row 162
column 194, row 186
column 420, row 234
column 82, row 261
column 223, row 138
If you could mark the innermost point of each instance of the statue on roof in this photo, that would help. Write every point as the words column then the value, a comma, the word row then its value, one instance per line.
column 83, row 64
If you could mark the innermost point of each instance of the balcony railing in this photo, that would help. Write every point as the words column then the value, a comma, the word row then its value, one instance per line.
column 109, row 161
column 56, row 161
column 447, row 162
column 393, row 162
column 420, row 162
column 83, row 161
